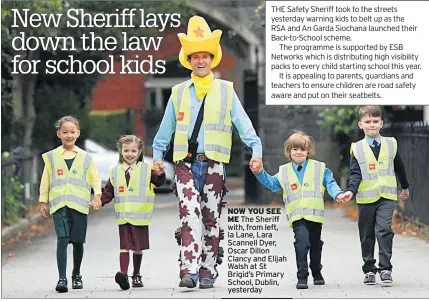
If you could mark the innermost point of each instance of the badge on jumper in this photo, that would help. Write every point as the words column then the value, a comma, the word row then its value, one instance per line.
column 131, row 189
column 59, row 172
column 294, row 186
column 372, row 166
column 121, row 188
column 74, row 171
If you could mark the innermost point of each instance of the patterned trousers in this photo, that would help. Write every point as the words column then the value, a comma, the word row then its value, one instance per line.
column 199, row 213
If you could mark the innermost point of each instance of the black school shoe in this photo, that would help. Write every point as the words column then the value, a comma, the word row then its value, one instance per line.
column 318, row 279
column 77, row 282
column 62, row 286
column 137, row 281
column 122, row 279
column 302, row 283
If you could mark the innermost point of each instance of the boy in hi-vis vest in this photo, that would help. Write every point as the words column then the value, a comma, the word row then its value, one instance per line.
column 131, row 187
column 65, row 187
column 374, row 164
column 303, row 182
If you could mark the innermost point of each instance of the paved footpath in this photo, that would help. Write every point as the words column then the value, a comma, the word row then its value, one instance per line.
column 32, row 273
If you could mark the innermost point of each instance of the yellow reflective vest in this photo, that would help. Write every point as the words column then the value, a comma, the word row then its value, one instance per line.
column 69, row 188
column 216, row 121
column 378, row 176
column 303, row 201
column 133, row 202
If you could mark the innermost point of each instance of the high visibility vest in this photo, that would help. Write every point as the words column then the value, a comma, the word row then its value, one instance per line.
column 303, row 201
column 69, row 188
column 133, row 202
column 378, row 176
column 216, row 120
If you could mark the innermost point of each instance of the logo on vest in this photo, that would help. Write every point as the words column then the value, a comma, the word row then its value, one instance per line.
column 59, row 172
column 372, row 166
column 74, row 171
column 181, row 116
column 381, row 163
column 306, row 184
column 294, row 186
column 121, row 189
column 131, row 189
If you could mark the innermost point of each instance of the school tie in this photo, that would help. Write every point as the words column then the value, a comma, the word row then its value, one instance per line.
column 299, row 168
column 375, row 143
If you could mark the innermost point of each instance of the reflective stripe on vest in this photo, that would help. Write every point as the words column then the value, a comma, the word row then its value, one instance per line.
column 133, row 215
column 378, row 176
column 305, row 211
column 66, row 190
column 303, row 200
column 216, row 151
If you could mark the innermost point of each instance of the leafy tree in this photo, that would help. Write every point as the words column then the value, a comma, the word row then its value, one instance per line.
column 24, row 89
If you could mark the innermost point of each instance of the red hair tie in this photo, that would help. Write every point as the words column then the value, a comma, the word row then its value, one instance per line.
column 122, row 136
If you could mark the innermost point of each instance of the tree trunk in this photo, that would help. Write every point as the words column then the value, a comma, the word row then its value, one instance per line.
column 30, row 112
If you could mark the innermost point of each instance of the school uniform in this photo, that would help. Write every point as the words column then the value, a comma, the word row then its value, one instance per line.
column 303, row 186
column 131, row 186
column 131, row 237
column 72, row 171
column 375, row 212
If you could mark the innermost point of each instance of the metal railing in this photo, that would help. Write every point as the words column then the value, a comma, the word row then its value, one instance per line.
column 20, row 178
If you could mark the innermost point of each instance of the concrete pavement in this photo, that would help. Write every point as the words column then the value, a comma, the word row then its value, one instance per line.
column 33, row 272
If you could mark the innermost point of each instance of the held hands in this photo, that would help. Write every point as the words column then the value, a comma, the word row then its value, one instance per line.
column 256, row 165
column 347, row 196
column 158, row 167
column 344, row 197
column 405, row 194
column 96, row 203
column 44, row 209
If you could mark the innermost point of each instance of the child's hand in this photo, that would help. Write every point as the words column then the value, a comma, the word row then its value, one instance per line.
column 405, row 194
column 340, row 198
column 44, row 209
column 256, row 165
column 96, row 203
column 158, row 167
column 347, row 196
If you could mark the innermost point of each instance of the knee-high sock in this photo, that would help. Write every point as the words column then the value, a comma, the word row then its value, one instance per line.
column 77, row 257
column 137, row 260
column 62, row 244
column 124, row 260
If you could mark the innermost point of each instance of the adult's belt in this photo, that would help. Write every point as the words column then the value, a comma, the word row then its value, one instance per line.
column 201, row 158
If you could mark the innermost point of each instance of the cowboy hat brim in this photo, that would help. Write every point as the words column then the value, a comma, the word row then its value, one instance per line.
column 183, row 58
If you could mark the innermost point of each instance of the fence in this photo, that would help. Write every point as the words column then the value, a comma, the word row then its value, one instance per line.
column 413, row 146
column 20, row 179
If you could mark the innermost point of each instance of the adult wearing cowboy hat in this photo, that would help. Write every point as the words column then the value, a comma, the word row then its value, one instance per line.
column 200, row 166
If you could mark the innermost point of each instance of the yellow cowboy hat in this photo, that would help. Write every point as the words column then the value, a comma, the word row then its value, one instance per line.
column 200, row 39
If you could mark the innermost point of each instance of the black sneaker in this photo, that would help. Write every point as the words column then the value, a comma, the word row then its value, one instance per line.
column 302, row 283
column 318, row 279
column 77, row 282
column 137, row 281
column 369, row 278
column 62, row 286
column 386, row 277
column 122, row 279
